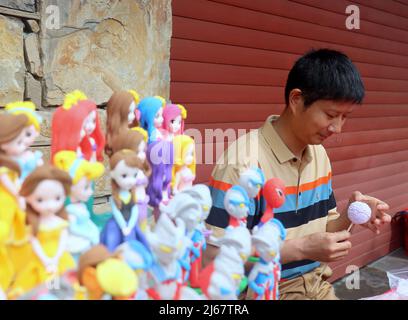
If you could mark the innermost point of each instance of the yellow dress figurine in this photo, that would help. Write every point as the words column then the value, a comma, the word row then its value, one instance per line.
column 12, row 218
column 15, row 139
column 45, row 190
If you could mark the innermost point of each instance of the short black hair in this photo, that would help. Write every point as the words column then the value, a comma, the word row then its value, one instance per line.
column 325, row 74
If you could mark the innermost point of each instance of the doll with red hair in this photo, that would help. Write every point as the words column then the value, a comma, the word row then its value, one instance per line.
column 76, row 127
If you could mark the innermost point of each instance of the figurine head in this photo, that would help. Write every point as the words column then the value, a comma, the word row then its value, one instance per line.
column 173, row 118
column 274, row 192
column 117, row 279
column 74, row 123
column 238, row 238
column 236, row 202
column 201, row 194
column 45, row 191
column 252, row 180
column 134, row 139
column 160, row 157
column 268, row 239
column 82, row 173
column 120, row 115
column 13, row 134
column 184, row 154
column 124, row 169
column 32, row 131
column 151, row 115
column 186, row 208
column 166, row 240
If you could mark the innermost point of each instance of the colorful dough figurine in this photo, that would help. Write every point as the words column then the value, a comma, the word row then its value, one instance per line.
column 135, row 139
column 151, row 117
column 120, row 115
column 252, row 180
column 201, row 194
column 13, row 241
column 274, row 194
column 76, row 127
column 186, row 208
column 184, row 169
column 45, row 190
column 167, row 242
column 160, row 157
column 265, row 274
column 236, row 203
column 83, row 233
column 27, row 159
column 174, row 116
column 123, row 226
column 106, row 277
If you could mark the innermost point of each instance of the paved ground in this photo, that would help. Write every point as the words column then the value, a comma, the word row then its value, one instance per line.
column 373, row 277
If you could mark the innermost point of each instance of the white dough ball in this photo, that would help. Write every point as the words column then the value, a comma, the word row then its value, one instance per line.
column 359, row 212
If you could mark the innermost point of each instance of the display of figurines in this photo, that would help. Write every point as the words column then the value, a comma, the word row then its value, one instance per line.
column 83, row 233
column 124, row 224
column 174, row 116
column 274, row 193
column 151, row 117
column 252, row 180
column 45, row 190
column 18, row 148
column 236, row 203
column 264, row 276
column 76, row 127
column 120, row 115
column 184, row 169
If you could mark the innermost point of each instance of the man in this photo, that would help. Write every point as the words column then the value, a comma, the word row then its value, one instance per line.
column 322, row 89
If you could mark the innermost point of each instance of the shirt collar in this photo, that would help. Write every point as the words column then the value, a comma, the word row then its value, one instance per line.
column 278, row 147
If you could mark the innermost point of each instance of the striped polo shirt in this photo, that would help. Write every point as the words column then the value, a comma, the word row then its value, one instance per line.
column 309, row 203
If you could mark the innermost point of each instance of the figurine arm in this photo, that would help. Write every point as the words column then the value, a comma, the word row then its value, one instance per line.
column 12, row 189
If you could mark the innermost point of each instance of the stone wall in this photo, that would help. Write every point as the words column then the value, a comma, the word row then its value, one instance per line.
column 96, row 46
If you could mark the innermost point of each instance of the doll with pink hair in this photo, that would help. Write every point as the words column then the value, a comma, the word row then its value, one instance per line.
column 76, row 127
column 173, row 121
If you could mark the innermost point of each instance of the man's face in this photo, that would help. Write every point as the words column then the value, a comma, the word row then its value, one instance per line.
column 321, row 119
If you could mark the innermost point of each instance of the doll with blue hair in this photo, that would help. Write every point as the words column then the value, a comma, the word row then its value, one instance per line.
column 265, row 275
column 236, row 203
column 151, row 117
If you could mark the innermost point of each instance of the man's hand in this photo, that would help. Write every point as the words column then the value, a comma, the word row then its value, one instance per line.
column 325, row 246
column 378, row 208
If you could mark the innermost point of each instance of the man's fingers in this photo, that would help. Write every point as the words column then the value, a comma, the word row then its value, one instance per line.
column 341, row 246
column 341, row 236
column 339, row 255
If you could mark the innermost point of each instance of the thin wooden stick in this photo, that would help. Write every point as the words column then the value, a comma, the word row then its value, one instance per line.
column 325, row 267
